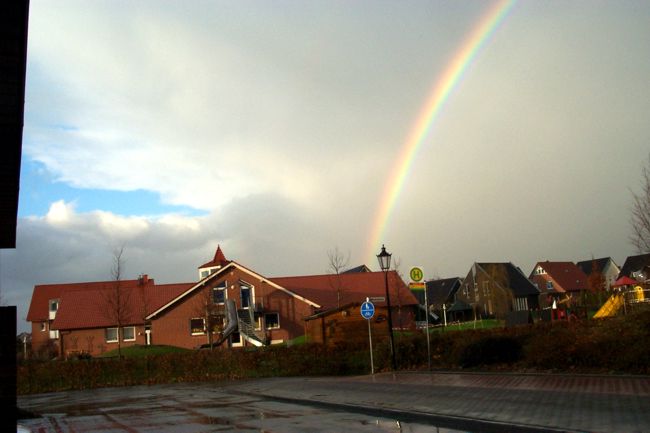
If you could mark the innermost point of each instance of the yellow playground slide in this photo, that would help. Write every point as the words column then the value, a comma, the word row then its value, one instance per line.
column 610, row 307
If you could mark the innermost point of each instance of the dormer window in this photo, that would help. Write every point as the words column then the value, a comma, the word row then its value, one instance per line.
column 204, row 272
column 54, row 307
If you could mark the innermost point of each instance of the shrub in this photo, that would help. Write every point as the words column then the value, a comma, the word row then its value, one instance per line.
column 491, row 350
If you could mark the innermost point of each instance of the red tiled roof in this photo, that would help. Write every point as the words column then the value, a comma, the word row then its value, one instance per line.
column 625, row 281
column 88, row 305
column 355, row 287
column 566, row 274
column 218, row 260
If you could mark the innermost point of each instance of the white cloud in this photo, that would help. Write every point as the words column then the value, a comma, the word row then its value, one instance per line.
column 282, row 122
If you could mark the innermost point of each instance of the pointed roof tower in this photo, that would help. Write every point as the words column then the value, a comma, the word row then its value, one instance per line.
column 218, row 261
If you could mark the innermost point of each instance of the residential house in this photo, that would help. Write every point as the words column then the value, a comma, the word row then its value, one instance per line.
column 357, row 269
column 496, row 289
column 441, row 295
column 83, row 318
column 267, row 312
column 559, row 282
column 340, row 296
column 601, row 273
column 93, row 317
column 636, row 267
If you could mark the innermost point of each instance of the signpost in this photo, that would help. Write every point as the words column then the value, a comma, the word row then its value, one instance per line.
column 417, row 283
column 367, row 312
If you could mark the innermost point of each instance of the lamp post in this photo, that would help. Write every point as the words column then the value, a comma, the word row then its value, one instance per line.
column 384, row 264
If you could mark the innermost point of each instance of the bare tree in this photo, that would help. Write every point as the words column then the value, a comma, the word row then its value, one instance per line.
column 117, row 298
column 337, row 263
column 212, row 314
column 640, row 219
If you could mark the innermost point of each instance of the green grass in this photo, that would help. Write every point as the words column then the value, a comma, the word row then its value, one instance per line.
column 479, row 324
column 142, row 351
column 298, row 340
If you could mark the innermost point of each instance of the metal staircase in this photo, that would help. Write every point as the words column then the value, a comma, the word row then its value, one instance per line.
column 245, row 323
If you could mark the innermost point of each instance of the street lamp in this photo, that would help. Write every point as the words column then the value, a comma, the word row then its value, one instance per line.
column 384, row 264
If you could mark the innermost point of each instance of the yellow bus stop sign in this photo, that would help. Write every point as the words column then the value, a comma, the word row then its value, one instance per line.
column 416, row 274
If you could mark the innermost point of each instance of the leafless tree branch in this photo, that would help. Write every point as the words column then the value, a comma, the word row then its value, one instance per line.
column 640, row 218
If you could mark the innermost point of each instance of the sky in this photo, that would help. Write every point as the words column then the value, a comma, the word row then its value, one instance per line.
column 279, row 130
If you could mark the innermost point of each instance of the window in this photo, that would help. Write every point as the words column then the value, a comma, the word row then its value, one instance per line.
column 43, row 327
column 219, row 293
column 128, row 333
column 111, row 335
column 549, row 285
column 54, row 305
column 204, row 274
column 486, row 288
column 197, row 326
column 272, row 320
column 235, row 339
column 245, row 292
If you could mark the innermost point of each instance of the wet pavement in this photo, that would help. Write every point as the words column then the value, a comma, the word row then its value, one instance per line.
column 405, row 402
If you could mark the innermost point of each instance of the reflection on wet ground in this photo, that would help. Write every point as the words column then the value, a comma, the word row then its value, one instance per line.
column 189, row 409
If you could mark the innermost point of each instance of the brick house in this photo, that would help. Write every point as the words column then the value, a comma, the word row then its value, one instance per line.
column 562, row 282
column 81, row 317
column 268, row 313
column 340, row 296
column 76, row 317
column 496, row 289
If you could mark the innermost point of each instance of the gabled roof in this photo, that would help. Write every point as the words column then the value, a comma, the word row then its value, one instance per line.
column 43, row 293
column 231, row 264
column 517, row 281
column 566, row 274
column 587, row 266
column 360, row 268
column 355, row 287
column 441, row 291
column 87, row 305
column 633, row 264
column 218, row 260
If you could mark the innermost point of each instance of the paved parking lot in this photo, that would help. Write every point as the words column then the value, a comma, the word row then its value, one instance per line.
column 408, row 402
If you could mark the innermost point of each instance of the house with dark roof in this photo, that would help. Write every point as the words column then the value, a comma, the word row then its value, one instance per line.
column 496, row 289
column 441, row 295
column 562, row 282
column 357, row 269
column 600, row 272
column 636, row 267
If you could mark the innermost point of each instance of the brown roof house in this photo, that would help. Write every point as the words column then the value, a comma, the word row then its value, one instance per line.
column 230, row 306
column 94, row 317
column 340, row 296
column 496, row 289
column 562, row 282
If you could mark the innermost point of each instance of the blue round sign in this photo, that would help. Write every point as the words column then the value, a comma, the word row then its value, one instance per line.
column 367, row 310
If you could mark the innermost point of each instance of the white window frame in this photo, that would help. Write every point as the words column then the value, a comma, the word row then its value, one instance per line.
column 238, row 343
column 124, row 337
column 223, row 286
column 266, row 326
column 197, row 333
column 43, row 326
column 117, row 335
column 251, row 296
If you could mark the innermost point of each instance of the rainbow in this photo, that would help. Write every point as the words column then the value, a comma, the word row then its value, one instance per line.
column 442, row 89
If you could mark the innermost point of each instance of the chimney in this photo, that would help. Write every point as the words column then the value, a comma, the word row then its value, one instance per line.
column 143, row 279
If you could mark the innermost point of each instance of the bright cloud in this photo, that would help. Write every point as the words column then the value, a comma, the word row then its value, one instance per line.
column 282, row 120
